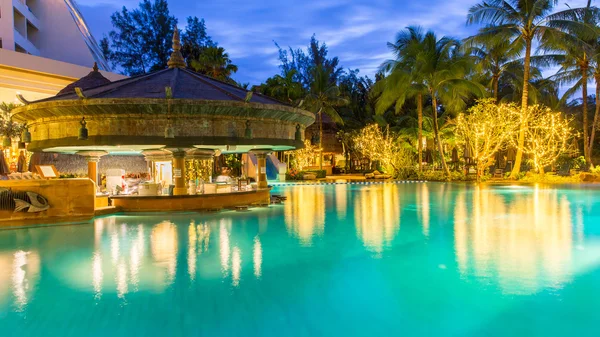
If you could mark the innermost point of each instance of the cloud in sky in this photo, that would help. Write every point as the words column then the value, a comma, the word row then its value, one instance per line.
column 355, row 30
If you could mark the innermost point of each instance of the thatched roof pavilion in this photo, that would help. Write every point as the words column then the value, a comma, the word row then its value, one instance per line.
column 174, row 109
column 132, row 114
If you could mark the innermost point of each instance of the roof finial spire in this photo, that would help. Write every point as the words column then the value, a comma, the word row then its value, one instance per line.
column 176, row 60
column 95, row 67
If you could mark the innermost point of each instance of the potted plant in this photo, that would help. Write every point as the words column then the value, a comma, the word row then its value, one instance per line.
column 8, row 128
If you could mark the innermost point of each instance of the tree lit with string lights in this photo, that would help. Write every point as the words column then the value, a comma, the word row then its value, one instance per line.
column 486, row 130
column 546, row 136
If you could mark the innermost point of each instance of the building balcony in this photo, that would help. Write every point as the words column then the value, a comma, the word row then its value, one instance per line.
column 21, row 6
column 25, row 45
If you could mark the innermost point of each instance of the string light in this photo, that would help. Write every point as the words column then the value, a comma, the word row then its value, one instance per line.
column 486, row 130
column 546, row 136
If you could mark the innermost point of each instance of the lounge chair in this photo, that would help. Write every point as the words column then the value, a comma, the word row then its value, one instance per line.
column 499, row 173
column 377, row 175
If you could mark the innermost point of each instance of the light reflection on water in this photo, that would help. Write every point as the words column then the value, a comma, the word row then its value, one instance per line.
column 377, row 216
column 305, row 217
column 520, row 242
column 524, row 243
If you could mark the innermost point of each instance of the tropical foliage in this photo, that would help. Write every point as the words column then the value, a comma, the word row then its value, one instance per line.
column 385, row 148
column 547, row 135
column 214, row 61
column 426, row 100
column 9, row 128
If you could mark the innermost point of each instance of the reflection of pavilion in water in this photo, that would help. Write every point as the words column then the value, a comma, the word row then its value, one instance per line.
column 524, row 239
column 133, row 261
column 121, row 250
column 19, row 272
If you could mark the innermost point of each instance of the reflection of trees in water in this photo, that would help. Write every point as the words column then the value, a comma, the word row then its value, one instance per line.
column 341, row 200
column 523, row 239
column 305, row 212
column 377, row 215
column 423, row 207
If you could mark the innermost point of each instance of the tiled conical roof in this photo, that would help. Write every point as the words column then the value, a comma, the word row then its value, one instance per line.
column 184, row 84
column 91, row 80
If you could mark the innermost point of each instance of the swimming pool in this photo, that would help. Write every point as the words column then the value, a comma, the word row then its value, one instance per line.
column 426, row 259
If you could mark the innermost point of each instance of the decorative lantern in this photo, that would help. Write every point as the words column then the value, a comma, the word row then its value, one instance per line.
column 298, row 133
column 83, row 131
column 26, row 136
column 169, row 130
column 248, row 133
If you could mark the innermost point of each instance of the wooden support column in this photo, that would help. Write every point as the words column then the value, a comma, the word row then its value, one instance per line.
column 261, row 168
column 179, row 173
column 93, row 169
column 93, row 157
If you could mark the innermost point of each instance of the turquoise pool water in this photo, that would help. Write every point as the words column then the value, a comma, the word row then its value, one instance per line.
column 338, row 260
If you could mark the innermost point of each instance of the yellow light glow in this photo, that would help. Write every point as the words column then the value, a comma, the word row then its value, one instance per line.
column 257, row 257
column 377, row 216
column 305, row 212
column 526, row 241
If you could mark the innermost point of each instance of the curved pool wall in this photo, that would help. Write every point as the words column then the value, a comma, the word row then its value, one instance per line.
column 426, row 259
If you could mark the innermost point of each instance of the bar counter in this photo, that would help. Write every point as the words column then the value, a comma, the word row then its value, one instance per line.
column 213, row 201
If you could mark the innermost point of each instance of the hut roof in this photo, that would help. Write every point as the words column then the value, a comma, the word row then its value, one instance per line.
column 91, row 80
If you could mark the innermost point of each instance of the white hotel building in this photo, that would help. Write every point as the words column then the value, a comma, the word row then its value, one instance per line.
column 44, row 46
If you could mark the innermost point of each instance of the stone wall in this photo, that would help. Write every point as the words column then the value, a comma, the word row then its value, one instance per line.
column 75, row 164
column 68, row 199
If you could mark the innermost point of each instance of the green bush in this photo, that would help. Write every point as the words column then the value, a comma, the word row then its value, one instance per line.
column 299, row 175
column 319, row 173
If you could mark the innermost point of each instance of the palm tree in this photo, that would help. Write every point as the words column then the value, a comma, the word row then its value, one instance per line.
column 432, row 67
column 577, row 52
column 403, row 81
column 494, row 60
column 324, row 97
column 286, row 86
column 214, row 62
column 520, row 22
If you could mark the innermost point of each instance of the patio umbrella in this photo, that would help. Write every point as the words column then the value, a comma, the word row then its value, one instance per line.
column 511, row 155
column 22, row 163
column 455, row 158
column 467, row 154
column 4, row 169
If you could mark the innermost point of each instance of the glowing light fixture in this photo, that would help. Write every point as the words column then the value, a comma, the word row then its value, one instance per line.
column 169, row 130
column 298, row 135
column 26, row 137
column 248, row 133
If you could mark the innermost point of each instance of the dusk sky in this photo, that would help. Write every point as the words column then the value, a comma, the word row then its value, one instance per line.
column 356, row 31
